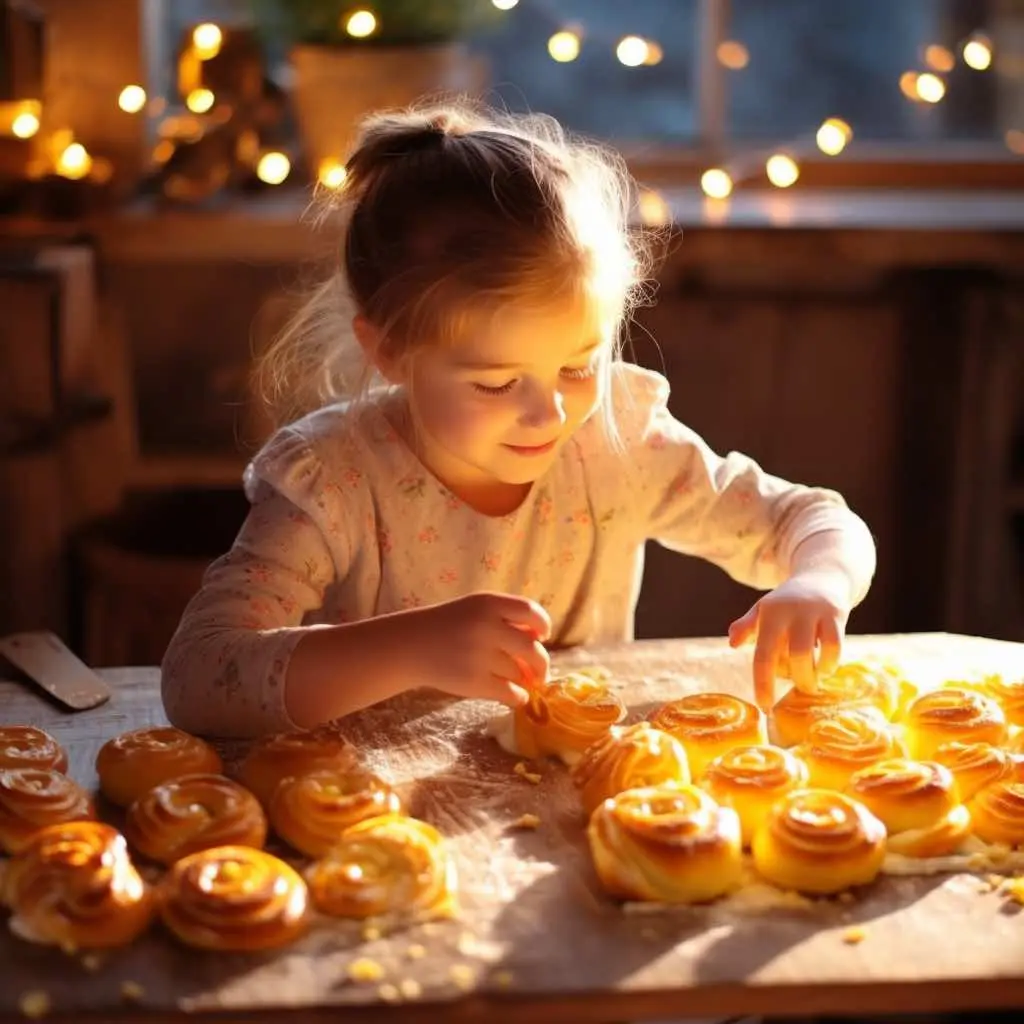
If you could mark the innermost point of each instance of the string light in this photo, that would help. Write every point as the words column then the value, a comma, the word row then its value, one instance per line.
column 132, row 99
column 1014, row 140
column 361, row 24
column 633, row 51
column 25, row 125
column 74, row 162
column 908, row 84
column 331, row 174
column 732, row 55
column 977, row 53
column 207, row 40
column 273, row 168
column 654, row 211
column 833, row 136
column 716, row 183
column 782, row 170
column 564, row 46
column 504, row 5
column 939, row 58
column 199, row 101
column 930, row 88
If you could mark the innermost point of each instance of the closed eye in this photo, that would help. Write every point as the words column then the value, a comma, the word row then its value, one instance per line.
column 501, row 389
column 578, row 372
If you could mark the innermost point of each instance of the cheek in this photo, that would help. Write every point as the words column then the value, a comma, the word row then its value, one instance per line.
column 582, row 400
column 455, row 416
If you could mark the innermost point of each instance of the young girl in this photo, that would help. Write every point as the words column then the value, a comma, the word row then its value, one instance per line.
column 479, row 481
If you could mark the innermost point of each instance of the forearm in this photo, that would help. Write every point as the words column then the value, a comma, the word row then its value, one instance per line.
column 847, row 552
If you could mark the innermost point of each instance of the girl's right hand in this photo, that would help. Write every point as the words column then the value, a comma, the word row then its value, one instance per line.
column 483, row 645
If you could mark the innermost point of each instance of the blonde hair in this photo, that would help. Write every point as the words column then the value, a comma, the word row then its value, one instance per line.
column 450, row 213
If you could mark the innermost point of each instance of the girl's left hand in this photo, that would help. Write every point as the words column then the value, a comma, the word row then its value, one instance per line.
column 799, row 625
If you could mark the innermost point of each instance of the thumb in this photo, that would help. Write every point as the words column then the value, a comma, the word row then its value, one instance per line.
column 744, row 628
column 502, row 690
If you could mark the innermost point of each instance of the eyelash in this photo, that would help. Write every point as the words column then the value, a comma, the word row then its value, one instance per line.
column 579, row 373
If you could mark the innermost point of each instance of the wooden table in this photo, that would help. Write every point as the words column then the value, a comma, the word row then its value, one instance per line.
column 536, row 939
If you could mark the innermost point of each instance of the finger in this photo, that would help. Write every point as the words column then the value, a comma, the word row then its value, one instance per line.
column 801, row 655
column 830, row 638
column 524, row 614
column 530, row 657
column 744, row 628
column 766, row 658
column 503, row 690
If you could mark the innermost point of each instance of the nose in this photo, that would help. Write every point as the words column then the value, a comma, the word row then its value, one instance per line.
column 542, row 408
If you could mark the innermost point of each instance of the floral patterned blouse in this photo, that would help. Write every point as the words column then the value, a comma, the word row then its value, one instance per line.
column 346, row 523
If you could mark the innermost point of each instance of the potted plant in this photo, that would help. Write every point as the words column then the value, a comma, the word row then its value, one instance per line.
column 345, row 64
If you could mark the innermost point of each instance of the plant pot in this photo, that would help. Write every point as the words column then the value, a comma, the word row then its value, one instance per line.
column 334, row 87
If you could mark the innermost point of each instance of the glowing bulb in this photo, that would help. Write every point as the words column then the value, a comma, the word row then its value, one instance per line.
column 908, row 84
column 833, row 136
column 273, row 168
column 504, row 5
column 930, row 88
column 733, row 55
column 74, row 162
column 331, row 174
column 199, row 101
column 939, row 58
column 1014, row 140
column 654, row 211
column 633, row 51
column 25, row 125
column 654, row 53
column 564, row 46
column 716, row 183
column 978, row 53
column 132, row 99
column 207, row 40
column 782, row 170
column 361, row 24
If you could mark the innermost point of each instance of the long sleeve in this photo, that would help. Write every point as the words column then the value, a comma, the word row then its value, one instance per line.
column 727, row 509
column 223, row 673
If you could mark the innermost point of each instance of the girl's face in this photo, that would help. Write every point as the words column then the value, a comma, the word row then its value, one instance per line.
column 493, row 411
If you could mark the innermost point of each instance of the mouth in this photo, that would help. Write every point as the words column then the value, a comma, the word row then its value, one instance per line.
column 531, row 449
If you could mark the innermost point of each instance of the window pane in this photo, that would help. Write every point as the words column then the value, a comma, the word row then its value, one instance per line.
column 809, row 60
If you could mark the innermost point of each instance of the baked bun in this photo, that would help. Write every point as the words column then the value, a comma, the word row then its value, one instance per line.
column 856, row 684
column 709, row 724
column 25, row 746
column 393, row 866
column 952, row 715
column 192, row 813
column 293, row 754
column 563, row 717
column 73, row 885
column 844, row 742
column 234, row 899
column 917, row 801
column 974, row 765
column 628, row 757
column 310, row 812
column 1007, row 693
column 819, row 841
column 32, row 798
column 667, row 844
column 997, row 813
column 751, row 780
column 136, row 761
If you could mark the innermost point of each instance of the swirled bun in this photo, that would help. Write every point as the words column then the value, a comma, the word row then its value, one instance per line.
column 628, row 757
column 917, row 801
column 192, row 813
column 952, row 715
column 751, row 780
column 25, row 746
column 73, row 885
column 234, row 899
column 667, row 844
column 974, row 765
column 293, row 754
column 844, row 742
column 709, row 724
column 819, row 841
column 1007, row 693
column 565, row 716
column 312, row 812
column 394, row 866
column 32, row 798
column 134, row 762
column 997, row 812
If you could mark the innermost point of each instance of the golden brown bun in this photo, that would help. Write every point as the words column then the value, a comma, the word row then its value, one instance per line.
column 234, row 899
column 844, row 742
column 1007, row 693
column 192, row 813
column 819, row 841
column 709, row 724
column 390, row 866
column 952, row 715
column 751, row 779
column 562, row 718
column 997, row 813
column 629, row 757
column 310, row 812
column 73, row 885
column 32, row 798
column 974, row 765
column 917, row 802
column 136, row 761
column 856, row 684
column 666, row 844
column 25, row 746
